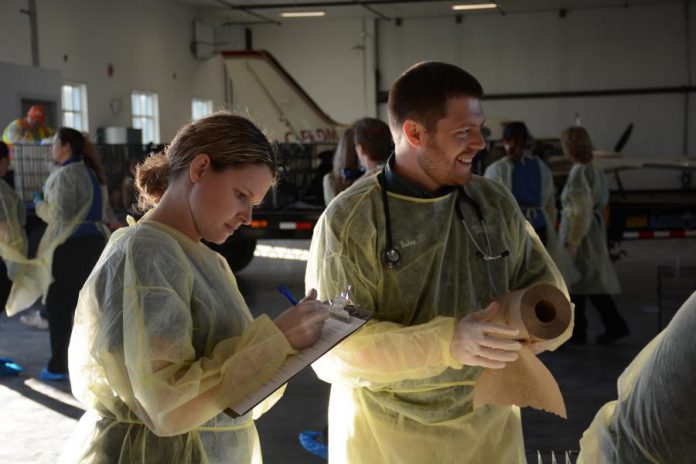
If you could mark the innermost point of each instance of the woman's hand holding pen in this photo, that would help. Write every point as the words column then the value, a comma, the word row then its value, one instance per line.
column 302, row 324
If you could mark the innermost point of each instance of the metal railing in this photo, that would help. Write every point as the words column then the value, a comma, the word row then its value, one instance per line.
column 32, row 165
column 297, row 172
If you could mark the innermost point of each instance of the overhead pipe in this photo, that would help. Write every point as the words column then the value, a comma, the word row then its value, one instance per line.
column 684, row 89
column 34, row 31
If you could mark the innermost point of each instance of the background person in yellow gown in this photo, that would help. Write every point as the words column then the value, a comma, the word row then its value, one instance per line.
column 583, row 232
column 13, row 239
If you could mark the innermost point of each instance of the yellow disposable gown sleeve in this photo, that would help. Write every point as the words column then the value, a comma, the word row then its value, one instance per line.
column 556, row 250
column 551, row 213
column 650, row 422
column 12, row 220
column 13, row 240
column 384, row 352
column 266, row 405
column 59, row 203
column 577, row 207
column 381, row 352
column 174, row 397
column 169, row 387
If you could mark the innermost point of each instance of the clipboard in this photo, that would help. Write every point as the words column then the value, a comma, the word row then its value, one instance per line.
column 341, row 323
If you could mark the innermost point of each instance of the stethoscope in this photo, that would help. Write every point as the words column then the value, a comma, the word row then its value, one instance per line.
column 391, row 258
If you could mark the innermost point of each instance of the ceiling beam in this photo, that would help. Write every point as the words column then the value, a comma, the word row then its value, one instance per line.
column 246, row 11
column 320, row 4
column 375, row 11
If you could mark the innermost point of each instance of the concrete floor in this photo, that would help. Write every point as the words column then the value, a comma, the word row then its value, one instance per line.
column 37, row 418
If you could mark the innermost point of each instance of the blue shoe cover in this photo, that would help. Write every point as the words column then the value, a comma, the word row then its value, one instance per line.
column 50, row 376
column 310, row 441
column 9, row 367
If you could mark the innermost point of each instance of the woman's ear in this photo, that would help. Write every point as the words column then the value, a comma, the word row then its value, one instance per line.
column 199, row 167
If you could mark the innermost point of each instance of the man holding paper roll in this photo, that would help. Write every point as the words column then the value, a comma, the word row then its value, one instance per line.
column 426, row 245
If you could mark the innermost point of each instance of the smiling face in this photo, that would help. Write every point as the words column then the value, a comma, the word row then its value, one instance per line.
column 450, row 149
column 222, row 201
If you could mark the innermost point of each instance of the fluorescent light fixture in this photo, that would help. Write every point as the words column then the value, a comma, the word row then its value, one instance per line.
column 475, row 6
column 302, row 14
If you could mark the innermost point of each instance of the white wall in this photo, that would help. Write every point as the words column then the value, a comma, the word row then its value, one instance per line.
column 25, row 82
column 600, row 49
column 335, row 62
column 15, row 37
column 332, row 60
column 146, row 42
column 637, row 47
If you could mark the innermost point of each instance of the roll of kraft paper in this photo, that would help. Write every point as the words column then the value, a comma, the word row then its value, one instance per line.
column 540, row 313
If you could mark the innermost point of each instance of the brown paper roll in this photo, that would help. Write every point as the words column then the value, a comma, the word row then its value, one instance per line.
column 540, row 313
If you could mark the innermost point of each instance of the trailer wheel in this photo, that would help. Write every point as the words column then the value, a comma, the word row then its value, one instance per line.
column 238, row 250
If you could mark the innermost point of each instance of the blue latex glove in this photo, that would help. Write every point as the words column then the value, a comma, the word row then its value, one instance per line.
column 37, row 198
column 313, row 441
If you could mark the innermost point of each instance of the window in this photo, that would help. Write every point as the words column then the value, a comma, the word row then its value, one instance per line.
column 200, row 108
column 74, row 102
column 146, row 115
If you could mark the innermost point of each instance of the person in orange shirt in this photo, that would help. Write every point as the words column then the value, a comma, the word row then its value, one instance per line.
column 30, row 129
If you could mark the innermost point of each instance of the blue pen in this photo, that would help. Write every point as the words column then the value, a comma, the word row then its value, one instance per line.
column 288, row 294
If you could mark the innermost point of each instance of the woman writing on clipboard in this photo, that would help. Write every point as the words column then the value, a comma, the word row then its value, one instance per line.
column 163, row 340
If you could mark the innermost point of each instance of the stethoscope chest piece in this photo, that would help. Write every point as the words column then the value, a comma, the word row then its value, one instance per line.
column 391, row 258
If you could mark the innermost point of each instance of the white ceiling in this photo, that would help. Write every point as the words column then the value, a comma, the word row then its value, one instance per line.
column 255, row 11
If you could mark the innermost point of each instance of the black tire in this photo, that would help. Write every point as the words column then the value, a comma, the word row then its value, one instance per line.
column 238, row 250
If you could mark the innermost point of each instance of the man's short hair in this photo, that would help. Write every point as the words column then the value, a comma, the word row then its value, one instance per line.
column 516, row 129
column 423, row 90
column 375, row 138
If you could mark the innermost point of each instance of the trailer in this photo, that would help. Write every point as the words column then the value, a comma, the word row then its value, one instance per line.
column 291, row 209
column 632, row 214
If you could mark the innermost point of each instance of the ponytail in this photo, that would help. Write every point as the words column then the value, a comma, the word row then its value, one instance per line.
column 91, row 159
column 151, row 180
column 81, row 146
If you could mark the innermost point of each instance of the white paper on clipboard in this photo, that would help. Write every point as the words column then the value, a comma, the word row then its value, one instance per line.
column 335, row 330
